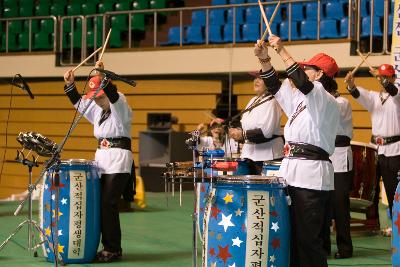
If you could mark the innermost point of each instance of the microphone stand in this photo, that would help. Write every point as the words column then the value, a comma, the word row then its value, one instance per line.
column 55, row 161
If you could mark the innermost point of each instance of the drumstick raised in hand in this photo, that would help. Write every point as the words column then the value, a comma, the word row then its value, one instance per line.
column 359, row 65
column 86, row 59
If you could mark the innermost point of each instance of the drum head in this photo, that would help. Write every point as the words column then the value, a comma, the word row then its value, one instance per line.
column 250, row 179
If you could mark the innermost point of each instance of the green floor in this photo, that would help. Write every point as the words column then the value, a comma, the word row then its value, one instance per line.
column 160, row 235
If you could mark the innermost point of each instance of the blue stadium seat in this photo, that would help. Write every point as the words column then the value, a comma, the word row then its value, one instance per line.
column 344, row 26
column 308, row 29
column 253, row 15
column 364, row 8
column 215, row 34
column 391, row 11
column 366, row 27
column 217, row 17
column 252, row 1
column 218, row 2
column 173, row 36
column 379, row 8
column 194, row 35
column 390, row 24
column 269, row 10
column 312, row 11
column 228, row 33
column 297, row 11
column 328, row 29
column 334, row 10
column 284, row 31
column 251, row 32
column 198, row 18
column 239, row 16
column 274, row 28
column 235, row 2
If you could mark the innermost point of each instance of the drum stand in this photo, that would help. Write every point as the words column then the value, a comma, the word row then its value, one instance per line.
column 32, row 225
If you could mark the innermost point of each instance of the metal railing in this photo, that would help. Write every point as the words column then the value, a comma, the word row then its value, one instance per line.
column 30, row 33
column 353, row 33
column 372, row 39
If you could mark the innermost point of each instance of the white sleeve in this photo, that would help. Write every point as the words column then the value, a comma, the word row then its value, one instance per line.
column 272, row 119
column 121, row 111
column 90, row 112
column 366, row 98
column 284, row 97
column 344, row 109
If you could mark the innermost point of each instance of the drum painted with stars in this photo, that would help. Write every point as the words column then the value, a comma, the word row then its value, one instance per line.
column 247, row 223
column 79, row 211
column 396, row 227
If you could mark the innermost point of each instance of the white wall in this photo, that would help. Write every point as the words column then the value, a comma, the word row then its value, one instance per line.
column 179, row 61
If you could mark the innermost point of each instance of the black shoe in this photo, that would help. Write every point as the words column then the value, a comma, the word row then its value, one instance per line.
column 106, row 256
column 341, row 255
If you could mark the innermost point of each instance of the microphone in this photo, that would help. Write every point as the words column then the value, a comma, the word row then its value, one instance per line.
column 25, row 86
column 115, row 76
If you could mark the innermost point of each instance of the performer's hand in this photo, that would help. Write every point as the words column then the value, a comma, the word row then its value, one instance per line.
column 261, row 51
column 349, row 80
column 276, row 43
column 69, row 77
column 99, row 65
column 236, row 134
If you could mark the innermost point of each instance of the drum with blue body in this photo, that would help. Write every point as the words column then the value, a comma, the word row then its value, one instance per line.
column 79, row 211
column 247, row 222
column 203, row 189
column 271, row 167
column 396, row 226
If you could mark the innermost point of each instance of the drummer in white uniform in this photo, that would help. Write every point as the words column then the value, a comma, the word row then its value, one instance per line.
column 260, row 131
column 310, row 134
column 384, row 107
column 111, row 117
column 342, row 160
column 218, row 139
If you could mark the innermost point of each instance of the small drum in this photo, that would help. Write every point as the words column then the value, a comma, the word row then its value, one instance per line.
column 396, row 227
column 247, row 222
column 271, row 167
column 365, row 181
column 79, row 211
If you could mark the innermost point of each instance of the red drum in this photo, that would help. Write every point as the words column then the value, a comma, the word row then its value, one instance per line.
column 365, row 181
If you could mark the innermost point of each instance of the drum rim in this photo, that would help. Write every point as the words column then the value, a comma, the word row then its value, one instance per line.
column 272, row 163
column 78, row 161
column 356, row 143
column 250, row 179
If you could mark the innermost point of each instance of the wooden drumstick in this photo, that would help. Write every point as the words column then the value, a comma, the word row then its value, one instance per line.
column 359, row 65
column 270, row 22
column 364, row 58
column 264, row 17
column 105, row 45
column 86, row 59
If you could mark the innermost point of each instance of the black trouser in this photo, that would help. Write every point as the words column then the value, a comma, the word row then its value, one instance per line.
column 307, row 214
column 112, row 186
column 389, row 166
column 340, row 204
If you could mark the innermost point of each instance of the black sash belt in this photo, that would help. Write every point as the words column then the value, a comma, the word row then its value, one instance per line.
column 116, row 142
column 305, row 151
column 378, row 140
column 342, row 141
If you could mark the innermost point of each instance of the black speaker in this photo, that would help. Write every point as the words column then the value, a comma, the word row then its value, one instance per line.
column 156, row 148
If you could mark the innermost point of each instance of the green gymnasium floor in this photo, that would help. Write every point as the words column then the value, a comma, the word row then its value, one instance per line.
column 160, row 235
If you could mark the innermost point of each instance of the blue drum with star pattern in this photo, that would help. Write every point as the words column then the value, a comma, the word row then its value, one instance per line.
column 396, row 226
column 247, row 222
column 79, row 211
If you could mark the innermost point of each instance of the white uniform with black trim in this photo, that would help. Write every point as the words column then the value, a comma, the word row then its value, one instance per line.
column 342, row 158
column 385, row 118
column 317, row 125
column 266, row 117
column 111, row 160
